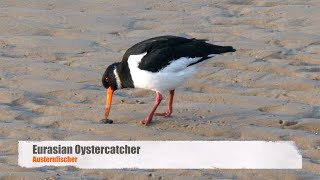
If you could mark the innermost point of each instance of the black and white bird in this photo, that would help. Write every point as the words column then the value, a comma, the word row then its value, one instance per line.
column 160, row 64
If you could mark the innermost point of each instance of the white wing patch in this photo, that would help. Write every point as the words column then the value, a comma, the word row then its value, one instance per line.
column 180, row 64
column 136, row 58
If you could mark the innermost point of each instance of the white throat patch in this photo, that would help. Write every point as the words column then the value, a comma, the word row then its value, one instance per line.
column 117, row 78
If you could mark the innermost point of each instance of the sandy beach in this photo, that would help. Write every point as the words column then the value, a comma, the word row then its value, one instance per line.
column 54, row 52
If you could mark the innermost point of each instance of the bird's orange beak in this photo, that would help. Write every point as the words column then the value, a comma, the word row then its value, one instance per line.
column 109, row 94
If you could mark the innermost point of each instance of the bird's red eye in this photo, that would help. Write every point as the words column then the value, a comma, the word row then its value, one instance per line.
column 107, row 79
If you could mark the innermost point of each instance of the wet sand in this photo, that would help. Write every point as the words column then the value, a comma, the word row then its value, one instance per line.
column 53, row 54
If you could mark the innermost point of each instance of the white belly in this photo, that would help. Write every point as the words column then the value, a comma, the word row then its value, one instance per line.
column 166, row 79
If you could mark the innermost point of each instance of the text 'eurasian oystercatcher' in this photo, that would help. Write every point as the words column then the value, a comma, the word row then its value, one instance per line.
column 159, row 64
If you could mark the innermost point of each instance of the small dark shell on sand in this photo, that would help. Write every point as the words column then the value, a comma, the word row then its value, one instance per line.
column 106, row 121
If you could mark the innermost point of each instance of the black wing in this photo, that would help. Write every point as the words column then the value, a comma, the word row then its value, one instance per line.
column 147, row 45
column 164, row 49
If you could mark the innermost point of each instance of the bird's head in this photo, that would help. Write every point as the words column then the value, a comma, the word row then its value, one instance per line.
column 111, row 83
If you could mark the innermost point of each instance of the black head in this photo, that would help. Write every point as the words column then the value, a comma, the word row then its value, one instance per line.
column 109, row 78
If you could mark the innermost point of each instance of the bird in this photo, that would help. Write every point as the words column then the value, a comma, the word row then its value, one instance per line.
column 159, row 64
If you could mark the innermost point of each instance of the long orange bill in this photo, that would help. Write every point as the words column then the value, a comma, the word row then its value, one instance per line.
column 109, row 95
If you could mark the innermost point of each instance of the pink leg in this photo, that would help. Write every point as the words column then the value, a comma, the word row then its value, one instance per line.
column 156, row 104
column 169, row 111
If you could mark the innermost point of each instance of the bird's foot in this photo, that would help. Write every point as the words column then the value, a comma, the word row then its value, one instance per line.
column 146, row 121
column 165, row 114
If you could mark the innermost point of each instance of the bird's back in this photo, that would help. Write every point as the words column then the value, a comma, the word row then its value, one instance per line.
column 161, row 51
column 154, row 43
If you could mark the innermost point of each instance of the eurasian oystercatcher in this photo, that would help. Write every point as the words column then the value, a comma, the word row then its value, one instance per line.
column 159, row 64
